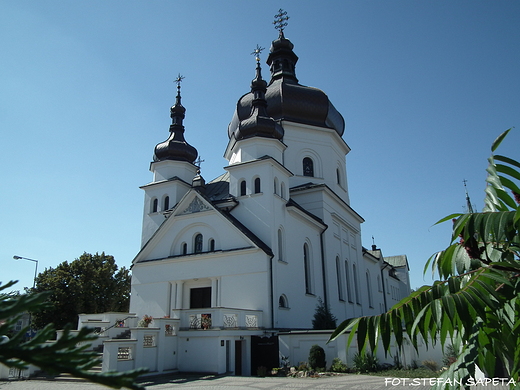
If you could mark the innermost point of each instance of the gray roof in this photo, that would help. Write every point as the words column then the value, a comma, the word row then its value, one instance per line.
column 397, row 261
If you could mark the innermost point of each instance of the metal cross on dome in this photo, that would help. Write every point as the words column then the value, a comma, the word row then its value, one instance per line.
column 178, row 80
column 257, row 52
column 280, row 21
column 198, row 162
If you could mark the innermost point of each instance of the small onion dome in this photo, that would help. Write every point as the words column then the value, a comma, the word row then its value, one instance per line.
column 175, row 147
column 286, row 98
column 259, row 124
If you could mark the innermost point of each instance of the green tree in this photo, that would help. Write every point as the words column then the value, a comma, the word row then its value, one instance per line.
column 89, row 284
column 65, row 355
column 323, row 317
column 476, row 303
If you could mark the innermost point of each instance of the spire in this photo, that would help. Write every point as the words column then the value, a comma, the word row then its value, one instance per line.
column 468, row 202
column 259, row 85
column 176, row 147
column 259, row 124
column 282, row 60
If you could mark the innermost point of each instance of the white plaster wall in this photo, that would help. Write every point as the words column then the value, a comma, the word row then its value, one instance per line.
column 324, row 146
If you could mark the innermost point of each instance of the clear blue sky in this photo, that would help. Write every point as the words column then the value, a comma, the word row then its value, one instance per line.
column 86, row 86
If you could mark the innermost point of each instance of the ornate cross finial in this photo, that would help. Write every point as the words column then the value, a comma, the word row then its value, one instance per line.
column 280, row 21
column 198, row 162
column 257, row 52
column 178, row 81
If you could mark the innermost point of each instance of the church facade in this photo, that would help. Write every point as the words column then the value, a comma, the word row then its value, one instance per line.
column 230, row 266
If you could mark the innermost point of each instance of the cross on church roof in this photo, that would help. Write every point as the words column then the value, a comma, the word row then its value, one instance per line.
column 280, row 21
column 178, row 80
column 257, row 52
column 198, row 162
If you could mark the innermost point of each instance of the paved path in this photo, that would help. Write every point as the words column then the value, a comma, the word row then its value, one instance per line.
column 237, row 383
column 220, row 383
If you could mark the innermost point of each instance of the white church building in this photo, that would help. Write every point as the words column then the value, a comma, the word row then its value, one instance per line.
column 232, row 270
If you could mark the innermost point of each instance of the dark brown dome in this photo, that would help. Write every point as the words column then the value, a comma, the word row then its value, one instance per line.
column 286, row 98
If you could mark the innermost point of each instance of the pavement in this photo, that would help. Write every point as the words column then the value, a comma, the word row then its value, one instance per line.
column 211, row 382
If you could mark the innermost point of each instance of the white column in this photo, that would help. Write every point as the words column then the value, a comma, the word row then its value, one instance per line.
column 214, row 292
column 178, row 303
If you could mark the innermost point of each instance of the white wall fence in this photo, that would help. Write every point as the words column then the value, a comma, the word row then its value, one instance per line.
column 295, row 345
column 153, row 347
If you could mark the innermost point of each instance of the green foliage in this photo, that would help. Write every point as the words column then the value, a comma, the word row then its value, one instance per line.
column 323, row 317
column 338, row 366
column 62, row 356
column 90, row 284
column 317, row 357
column 476, row 302
column 365, row 362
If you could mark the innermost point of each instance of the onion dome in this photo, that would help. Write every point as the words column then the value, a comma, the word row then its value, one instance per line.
column 175, row 147
column 259, row 124
column 286, row 98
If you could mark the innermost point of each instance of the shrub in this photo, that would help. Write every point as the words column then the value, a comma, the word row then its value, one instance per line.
column 317, row 357
column 431, row 364
column 338, row 366
column 365, row 362
column 450, row 355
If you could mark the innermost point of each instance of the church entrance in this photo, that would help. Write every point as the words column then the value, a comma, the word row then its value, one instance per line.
column 264, row 353
column 200, row 297
column 238, row 357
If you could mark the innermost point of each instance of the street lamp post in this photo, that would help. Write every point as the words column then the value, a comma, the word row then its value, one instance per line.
column 31, row 332
column 35, row 270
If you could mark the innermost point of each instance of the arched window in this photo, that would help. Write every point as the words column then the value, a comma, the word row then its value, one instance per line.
column 280, row 245
column 212, row 245
column 369, row 288
column 307, row 268
column 308, row 167
column 257, row 185
column 155, row 205
column 197, row 244
column 242, row 188
column 184, row 247
column 276, row 186
column 356, row 286
column 339, row 279
column 338, row 176
column 347, row 277
column 282, row 301
column 166, row 203
column 282, row 190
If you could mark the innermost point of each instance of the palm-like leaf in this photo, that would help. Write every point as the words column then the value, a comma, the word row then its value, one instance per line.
column 476, row 305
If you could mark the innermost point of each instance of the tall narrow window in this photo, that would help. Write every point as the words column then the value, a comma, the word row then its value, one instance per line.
column 347, row 277
column 184, row 248
column 166, row 203
column 369, row 289
column 280, row 245
column 155, row 205
column 308, row 167
column 338, row 176
column 307, row 266
column 212, row 245
column 339, row 279
column 275, row 185
column 242, row 188
column 198, row 243
column 356, row 286
column 257, row 185
column 282, row 190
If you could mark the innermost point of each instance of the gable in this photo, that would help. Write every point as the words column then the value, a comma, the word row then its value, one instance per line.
column 196, row 227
